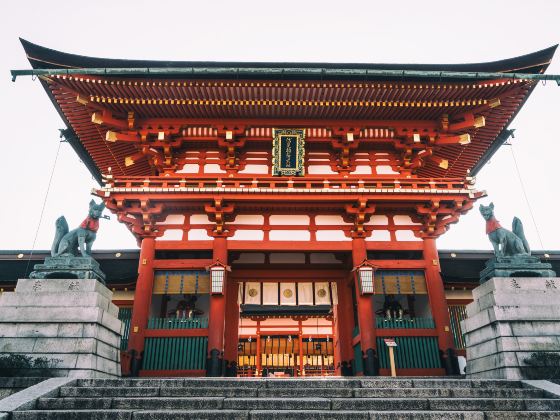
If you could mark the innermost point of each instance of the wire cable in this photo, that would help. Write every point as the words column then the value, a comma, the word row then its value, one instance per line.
column 525, row 196
column 43, row 207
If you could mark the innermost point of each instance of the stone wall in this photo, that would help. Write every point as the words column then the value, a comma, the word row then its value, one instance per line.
column 510, row 319
column 70, row 320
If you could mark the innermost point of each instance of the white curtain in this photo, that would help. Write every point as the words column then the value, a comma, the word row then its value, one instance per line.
column 322, row 294
column 270, row 293
column 252, row 293
column 305, row 293
column 287, row 293
column 334, row 293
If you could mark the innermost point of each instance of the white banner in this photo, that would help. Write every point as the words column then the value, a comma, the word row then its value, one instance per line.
column 305, row 293
column 334, row 291
column 322, row 294
column 252, row 293
column 270, row 293
column 287, row 293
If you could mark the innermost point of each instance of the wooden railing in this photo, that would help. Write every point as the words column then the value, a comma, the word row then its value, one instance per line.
column 411, row 353
column 318, row 182
column 177, row 323
column 457, row 313
column 408, row 323
column 125, row 314
column 175, row 353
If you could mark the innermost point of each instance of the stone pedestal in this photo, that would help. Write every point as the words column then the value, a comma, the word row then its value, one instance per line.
column 70, row 320
column 510, row 319
column 516, row 266
column 65, row 267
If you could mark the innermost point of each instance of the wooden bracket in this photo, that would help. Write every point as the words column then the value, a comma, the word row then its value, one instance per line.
column 359, row 214
column 231, row 138
column 219, row 213
column 344, row 140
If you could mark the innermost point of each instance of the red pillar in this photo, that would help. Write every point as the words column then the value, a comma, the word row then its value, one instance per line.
column 142, row 300
column 231, row 328
column 344, row 328
column 217, row 317
column 438, row 305
column 366, row 315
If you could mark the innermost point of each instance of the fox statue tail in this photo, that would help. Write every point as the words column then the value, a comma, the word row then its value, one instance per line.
column 517, row 229
column 61, row 230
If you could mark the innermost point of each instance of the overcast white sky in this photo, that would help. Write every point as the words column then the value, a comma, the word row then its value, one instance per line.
column 329, row 31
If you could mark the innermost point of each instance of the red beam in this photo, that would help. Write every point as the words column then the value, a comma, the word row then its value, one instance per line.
column 188, row 332
column 400, row 264
column 181, row 264
column 292, row 275
column 407, row 332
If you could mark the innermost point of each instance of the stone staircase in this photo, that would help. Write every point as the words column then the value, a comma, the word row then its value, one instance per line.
column 271, row 399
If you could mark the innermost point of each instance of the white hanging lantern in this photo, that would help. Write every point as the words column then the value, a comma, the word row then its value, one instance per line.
column 365, row 276
column 217, row 277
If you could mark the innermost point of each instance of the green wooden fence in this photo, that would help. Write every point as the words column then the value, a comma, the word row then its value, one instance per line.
column 411, row 352
column 413, row 323
column 175, row 353
column 457, row 313
column 125, row 315
column 177, row 323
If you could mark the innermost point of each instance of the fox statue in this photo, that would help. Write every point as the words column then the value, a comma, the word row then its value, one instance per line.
column 78, row 241
column 504, row 242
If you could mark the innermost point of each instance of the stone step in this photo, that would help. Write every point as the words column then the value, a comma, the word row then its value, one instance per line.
column 114, row 391
column 77, row 415
column 352, row 404
column 109, row 391
column 522, row 415
column 258, row 392
column 364, row 415
column 246, row 415
column 445, row 393
column 300, row 392
column 301, row 383
column 281, row 415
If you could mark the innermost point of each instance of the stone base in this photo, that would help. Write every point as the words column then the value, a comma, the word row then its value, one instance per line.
column 70, row 320
column 516, row 267
column 510, row 319
column 65, row 267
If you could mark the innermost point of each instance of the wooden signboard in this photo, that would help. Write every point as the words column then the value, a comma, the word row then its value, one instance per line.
column 288, row 152
column 391, row 343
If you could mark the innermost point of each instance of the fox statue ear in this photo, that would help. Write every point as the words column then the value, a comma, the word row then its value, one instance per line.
column 491, row 205
column 480, row 207
column 92, row 203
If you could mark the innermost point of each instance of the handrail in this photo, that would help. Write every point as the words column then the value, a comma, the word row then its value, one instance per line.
column 177, row 323
column 316, row 183
column 405, row 323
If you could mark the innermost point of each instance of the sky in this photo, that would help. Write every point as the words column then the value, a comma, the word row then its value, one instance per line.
column 325, row 31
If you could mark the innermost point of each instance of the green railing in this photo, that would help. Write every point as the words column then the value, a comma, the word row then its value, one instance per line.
column 175, row 353
column 457, row 313
column 411, row 352
column 177, row 323
column 413, row 323
column 125, row 315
